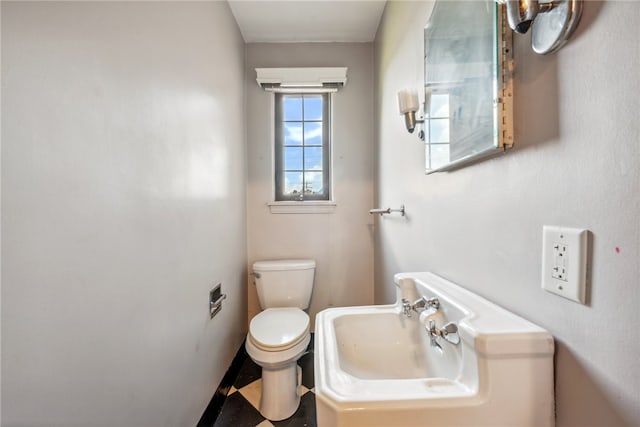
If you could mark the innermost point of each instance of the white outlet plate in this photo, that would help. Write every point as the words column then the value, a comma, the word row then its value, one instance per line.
column 564, row 262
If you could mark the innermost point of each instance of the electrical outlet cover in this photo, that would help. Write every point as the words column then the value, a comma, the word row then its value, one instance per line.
column 564, row 262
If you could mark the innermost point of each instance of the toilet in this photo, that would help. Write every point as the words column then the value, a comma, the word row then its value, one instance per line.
column 279, row 335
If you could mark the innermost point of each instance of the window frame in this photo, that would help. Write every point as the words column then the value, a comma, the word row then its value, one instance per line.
column 279, row 196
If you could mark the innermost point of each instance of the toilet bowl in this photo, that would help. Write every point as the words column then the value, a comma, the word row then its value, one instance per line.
column 280, row 335
column 277, row 338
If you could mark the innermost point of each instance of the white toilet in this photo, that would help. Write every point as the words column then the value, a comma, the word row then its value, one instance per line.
column 279, row 335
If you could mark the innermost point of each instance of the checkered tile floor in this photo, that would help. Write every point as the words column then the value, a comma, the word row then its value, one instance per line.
column 240, row 409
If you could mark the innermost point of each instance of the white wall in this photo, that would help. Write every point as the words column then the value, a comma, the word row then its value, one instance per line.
column 123, row 203
column 576, row 164
column 340, row 242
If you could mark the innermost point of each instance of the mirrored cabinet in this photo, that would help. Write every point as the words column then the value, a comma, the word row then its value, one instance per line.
column 468, row 86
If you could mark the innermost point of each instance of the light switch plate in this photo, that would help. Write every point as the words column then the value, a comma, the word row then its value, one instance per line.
column 564, row 262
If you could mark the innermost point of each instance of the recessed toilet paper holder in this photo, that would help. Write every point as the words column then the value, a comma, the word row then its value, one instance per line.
column 215, row 300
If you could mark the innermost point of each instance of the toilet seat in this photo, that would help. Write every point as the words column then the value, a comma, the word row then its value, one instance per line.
column 278, row 329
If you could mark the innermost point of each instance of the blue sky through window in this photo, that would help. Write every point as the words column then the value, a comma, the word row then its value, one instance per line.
column 292, row 108
column 313, row 158
column 313, row 107
column 293, row 158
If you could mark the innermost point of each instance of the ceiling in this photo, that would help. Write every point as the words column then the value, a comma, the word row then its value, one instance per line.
column 307, row 20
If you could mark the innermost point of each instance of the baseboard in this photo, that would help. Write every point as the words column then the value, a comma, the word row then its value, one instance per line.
column 210, row 414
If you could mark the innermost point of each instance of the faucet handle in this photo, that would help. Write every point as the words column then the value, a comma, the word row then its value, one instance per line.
column 432, row 303
column 424, row 303
column 448, row 332
column 406, row 307
column 421, row 304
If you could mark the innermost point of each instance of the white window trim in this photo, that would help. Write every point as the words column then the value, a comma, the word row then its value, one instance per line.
column 301, row 77
column 305, row 206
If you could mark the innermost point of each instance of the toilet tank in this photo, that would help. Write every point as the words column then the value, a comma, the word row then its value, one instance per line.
column 284, row 283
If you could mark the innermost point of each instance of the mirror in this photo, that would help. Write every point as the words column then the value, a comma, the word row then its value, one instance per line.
column 468, row 87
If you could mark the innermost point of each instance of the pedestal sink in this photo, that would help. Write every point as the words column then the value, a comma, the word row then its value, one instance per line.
column 377, row 366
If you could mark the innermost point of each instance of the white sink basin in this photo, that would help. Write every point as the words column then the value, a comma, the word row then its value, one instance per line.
column 374, row 343
column 376, row 367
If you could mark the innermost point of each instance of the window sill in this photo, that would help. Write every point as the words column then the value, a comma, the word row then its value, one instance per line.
column 308, row 207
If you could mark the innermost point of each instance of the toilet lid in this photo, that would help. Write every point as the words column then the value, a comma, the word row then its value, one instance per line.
column 278, row 328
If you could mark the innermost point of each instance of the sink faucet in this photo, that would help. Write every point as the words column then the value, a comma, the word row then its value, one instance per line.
column 449, row 332
column 421, row 304
column 406, row 307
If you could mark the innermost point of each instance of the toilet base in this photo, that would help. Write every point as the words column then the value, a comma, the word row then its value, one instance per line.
column 281, row 378
column 280, row 397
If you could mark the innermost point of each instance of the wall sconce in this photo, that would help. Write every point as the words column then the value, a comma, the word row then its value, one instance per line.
column 552, row 23
column 409, row 105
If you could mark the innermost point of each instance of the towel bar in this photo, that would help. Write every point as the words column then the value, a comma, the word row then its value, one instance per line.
column 387, row 211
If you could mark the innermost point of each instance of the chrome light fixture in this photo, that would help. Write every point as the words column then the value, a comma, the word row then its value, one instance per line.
column 409, row 105
column 551, row 23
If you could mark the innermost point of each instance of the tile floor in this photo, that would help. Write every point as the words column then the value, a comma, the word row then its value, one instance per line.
column 240, row 408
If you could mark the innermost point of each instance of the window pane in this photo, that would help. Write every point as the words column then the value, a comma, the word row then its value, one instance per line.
column 313, row 158
column 293, row 158
column 313, row 183
column 439, row 130
column 313, row 107
column 292, row 183
column 292, row 108
column 312, row 133
column 293, row 134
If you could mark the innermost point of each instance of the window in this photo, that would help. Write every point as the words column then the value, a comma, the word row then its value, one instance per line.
column 302, row 146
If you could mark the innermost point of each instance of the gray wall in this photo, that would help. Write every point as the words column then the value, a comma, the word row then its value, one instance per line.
column 123, row 202
column 341, row 242
column 575, row 164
